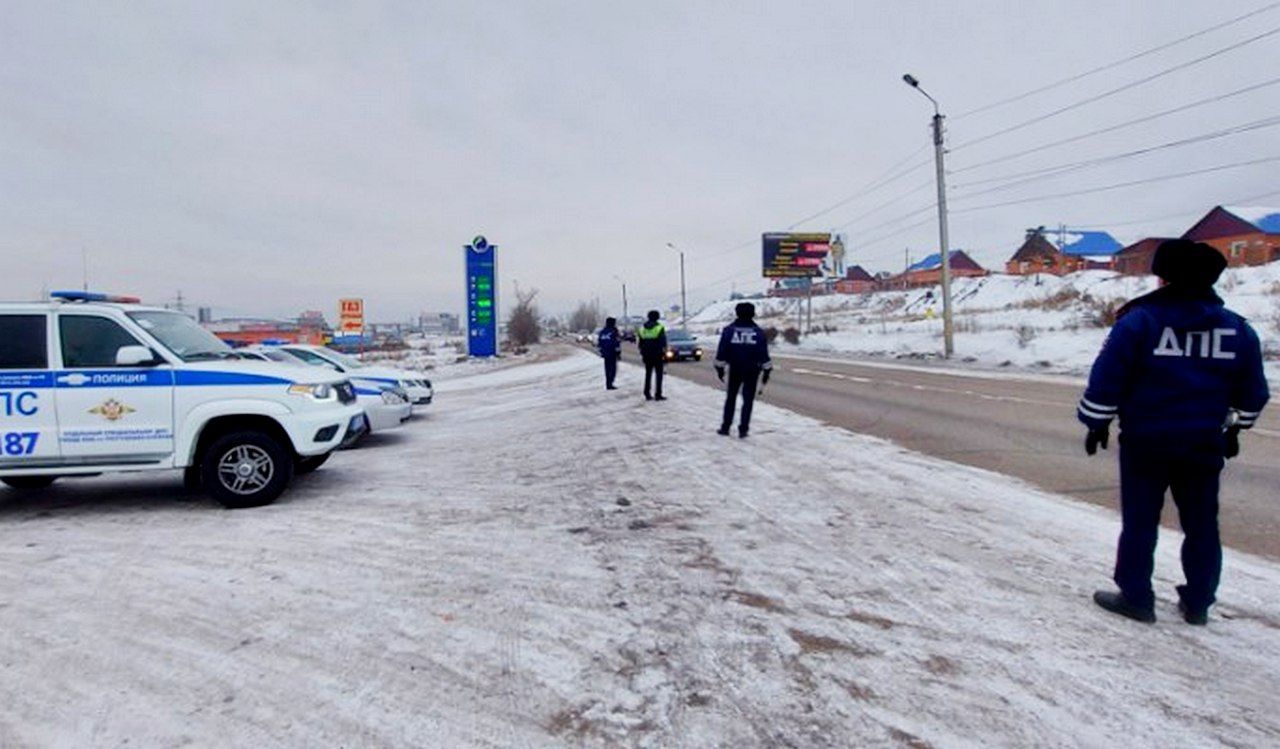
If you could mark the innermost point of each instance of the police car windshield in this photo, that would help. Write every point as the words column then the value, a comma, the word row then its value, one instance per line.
column 678, row 335
column 181, row 335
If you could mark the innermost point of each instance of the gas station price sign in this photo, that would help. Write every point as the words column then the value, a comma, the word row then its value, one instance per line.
column 482, row 298
column 795, row 255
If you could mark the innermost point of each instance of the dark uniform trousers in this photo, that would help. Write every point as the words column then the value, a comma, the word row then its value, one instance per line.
column 653, row 370
column 1190, row 471
column 610, row 369
column 744, row 379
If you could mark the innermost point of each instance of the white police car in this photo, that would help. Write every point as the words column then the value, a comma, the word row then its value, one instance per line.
column 387, row 406
column 92, row 383
column 364, row 375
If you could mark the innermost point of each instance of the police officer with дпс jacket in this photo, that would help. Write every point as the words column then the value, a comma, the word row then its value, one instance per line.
column 1184, row 375
column 744, row 350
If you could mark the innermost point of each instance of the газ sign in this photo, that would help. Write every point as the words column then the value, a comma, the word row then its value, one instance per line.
column 351, row 316
column 790, row 255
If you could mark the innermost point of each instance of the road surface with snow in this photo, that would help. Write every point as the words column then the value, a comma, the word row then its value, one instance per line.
column 1013, row 423
column 540, row 563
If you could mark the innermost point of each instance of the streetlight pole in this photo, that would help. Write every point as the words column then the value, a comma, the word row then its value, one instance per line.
column 948, row 344
column 625, row 316
column 684, row 302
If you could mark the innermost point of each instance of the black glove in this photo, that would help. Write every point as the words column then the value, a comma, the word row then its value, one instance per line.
column 1231, row 446
column 720, row 373
column 1097, row 437
column 764, row 378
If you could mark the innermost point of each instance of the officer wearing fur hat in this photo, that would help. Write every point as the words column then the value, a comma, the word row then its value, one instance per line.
column 1184, row 376
column 744, row 353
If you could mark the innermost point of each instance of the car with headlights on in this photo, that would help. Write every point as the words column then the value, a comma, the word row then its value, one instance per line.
column 682, row 346
column 415, row 384
column 385, row 405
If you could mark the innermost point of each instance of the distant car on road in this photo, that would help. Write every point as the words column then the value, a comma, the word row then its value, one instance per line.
column 682, row 346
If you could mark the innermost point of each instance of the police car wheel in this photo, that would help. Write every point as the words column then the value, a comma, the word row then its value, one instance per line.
column 307, row 465
column 246, row 469
column 27, row 483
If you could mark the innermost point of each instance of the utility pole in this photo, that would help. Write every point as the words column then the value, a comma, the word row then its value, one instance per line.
column 948, row 344
column 684, row 302
column 84, row 262
column 625, row 316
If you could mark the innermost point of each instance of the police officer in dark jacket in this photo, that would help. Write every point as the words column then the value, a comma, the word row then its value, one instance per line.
column 1184, row 375
column 652, row 340
column 744, row 352
column 609, row 342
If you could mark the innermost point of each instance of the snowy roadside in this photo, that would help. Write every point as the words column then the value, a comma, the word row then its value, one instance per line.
column 1044, row 324
column 541, row 563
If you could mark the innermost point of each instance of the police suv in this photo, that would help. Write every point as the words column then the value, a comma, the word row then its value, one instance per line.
column 92, row 383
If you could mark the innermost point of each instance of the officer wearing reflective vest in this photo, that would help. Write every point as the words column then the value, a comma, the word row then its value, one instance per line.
column 609, row 343
column 652, row 340
column 1184, row 375
column 744, row 352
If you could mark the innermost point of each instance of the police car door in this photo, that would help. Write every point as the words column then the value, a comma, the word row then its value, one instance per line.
column 28, row 418
column 108, row 412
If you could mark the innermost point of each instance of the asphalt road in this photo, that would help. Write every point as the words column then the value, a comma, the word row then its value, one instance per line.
column 1019, row 427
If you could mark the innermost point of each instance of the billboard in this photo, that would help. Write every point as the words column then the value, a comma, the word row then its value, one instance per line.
column 482, row 297
column 351, row 316
column 795, row 255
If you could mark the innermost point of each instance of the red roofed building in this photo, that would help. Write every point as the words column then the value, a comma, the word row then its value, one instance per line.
column 1135, row 260
column 1245, row 236
column 928, row 272
column 856, row 281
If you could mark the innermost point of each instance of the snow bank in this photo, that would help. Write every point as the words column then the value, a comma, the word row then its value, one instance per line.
column 1048, row 323
column 541, row 563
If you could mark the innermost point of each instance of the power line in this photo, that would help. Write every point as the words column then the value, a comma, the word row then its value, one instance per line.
column 887, row 203
column 1170, row 216
column 1119, row 185
column 882, row 181
column 1118, row 126
column 1116, row 63
column 1119, row 89
column 1010, row 181
column 901, row 218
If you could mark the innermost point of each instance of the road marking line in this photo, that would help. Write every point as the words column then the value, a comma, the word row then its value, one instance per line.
column 931, row 388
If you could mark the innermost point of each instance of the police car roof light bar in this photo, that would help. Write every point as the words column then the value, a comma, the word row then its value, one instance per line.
column 93, row 296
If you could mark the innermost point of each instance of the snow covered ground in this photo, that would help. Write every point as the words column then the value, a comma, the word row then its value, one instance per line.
column 537, row 562
column 1042, row 324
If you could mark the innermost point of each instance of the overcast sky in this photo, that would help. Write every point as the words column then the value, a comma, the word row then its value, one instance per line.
column 265, row 158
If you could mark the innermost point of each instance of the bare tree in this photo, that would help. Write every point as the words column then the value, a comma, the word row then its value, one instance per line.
column 585, row 318
column 523, row 326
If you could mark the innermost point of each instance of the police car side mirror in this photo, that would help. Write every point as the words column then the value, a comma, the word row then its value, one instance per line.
column 136, row 356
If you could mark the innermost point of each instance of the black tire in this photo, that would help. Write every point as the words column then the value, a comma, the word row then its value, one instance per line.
column 28, row 483
column 307, row 465
column 246, row 469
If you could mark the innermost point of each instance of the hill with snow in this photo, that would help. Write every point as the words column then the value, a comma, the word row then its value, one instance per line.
column 1046, row 323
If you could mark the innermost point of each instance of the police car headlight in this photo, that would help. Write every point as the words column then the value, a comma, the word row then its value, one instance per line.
column 319, row 392
column 393, row 397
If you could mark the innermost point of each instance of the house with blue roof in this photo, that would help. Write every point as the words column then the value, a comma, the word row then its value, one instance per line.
column 1245, row 235
column 928, row 271
column 1063, row 251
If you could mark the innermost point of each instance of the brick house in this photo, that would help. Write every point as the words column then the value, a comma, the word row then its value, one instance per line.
column 1077, row 250
column 928, row 272
column 1036, row 255
column 1245, row 236
column 856, row 281
column 1135, row 260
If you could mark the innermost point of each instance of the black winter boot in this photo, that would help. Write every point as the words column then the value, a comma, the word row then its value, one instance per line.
column 1116, row 603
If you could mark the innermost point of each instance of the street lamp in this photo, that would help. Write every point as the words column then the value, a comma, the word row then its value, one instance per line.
column 684, row 304
column 948, row 345
column 625, row 316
